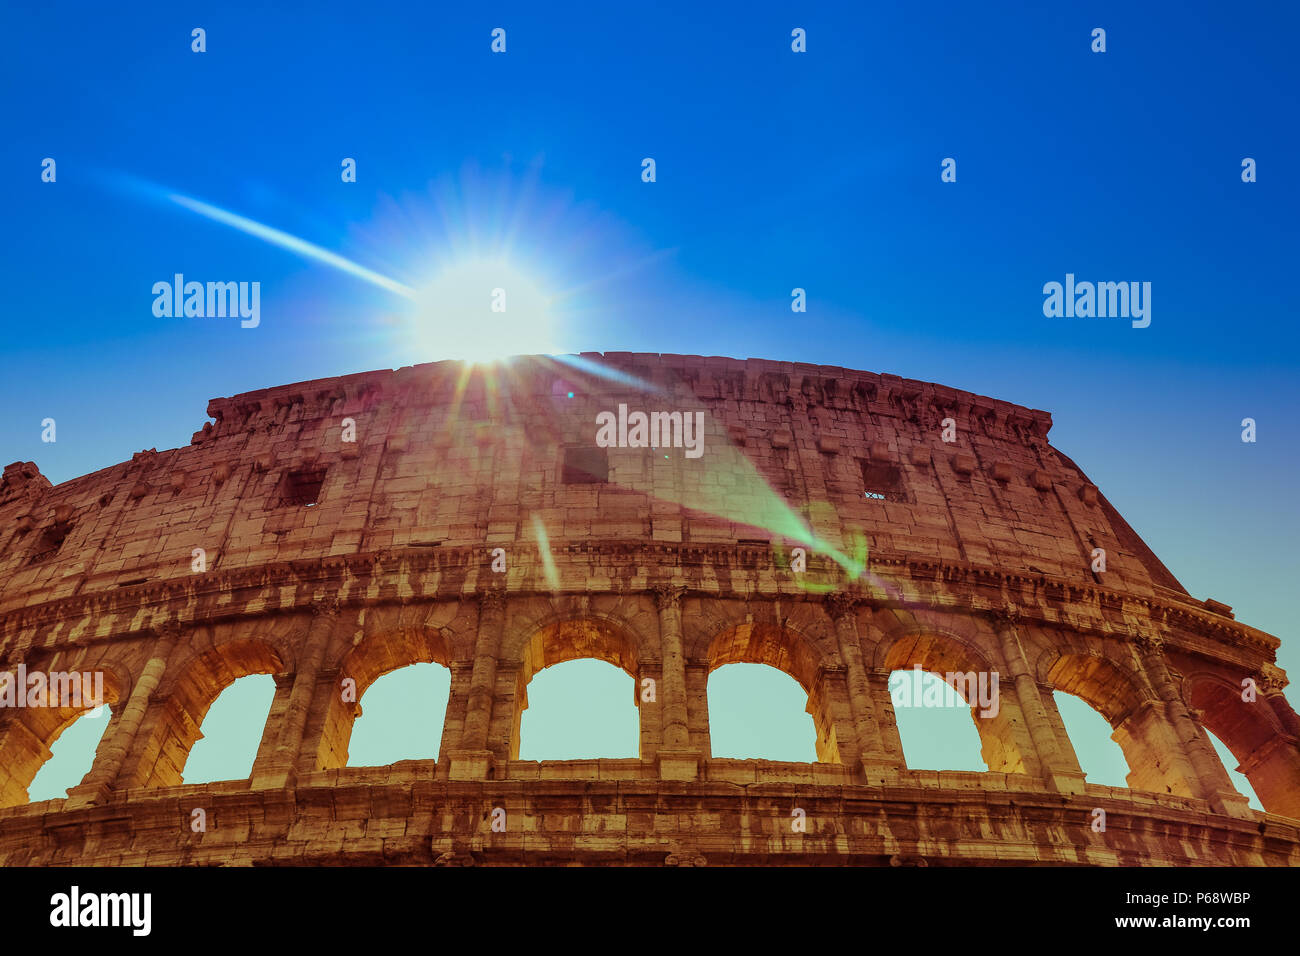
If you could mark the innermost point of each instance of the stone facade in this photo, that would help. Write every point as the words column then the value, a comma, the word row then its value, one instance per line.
column 325, row 560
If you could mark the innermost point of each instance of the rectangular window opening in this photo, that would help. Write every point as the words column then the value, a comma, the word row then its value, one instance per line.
column 585, row 465
column 883, row 482
column 302, row 487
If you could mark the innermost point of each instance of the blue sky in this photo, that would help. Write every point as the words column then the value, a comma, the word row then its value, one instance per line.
column 775, row 170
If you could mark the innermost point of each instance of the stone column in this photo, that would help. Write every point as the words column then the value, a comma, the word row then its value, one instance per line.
column 676, row 759
column 1054, row 767
column 832, row 713
column 98, row 784
column 697, row 705
column 505, row 729
column 649, row 713
column 271, row 733
column 472, row 759
column 1211, row 779
column 453, row 724
column 281, row 769
column 882, row 705
column 1069, row 759
column 874, row 760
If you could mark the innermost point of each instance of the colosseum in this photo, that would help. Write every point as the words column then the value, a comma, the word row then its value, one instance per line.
column 837, row 525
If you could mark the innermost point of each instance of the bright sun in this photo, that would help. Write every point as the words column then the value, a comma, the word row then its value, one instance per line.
column 482, row 310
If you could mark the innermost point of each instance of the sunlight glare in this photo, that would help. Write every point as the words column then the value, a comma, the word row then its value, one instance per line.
column 481, row 310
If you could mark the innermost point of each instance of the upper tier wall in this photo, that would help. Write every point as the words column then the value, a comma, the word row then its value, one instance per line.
column 443, row 455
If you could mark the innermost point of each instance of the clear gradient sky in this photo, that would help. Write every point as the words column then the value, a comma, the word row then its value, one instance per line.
column 774, row 170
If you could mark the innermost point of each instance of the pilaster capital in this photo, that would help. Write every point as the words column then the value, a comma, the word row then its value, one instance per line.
column 1148, row 642
column 668, row 596
column 325, row 606
column 840, row 604
column 1008, row 615
column 1271, row 679
column 169, row 630
column 492, row 602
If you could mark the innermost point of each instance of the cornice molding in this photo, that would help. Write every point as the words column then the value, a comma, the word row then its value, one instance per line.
column 349, row 579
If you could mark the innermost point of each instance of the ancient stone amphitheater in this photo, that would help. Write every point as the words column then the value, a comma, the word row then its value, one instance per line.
column 328, row 562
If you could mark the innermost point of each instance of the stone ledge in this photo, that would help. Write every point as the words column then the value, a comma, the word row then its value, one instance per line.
column 635, row 822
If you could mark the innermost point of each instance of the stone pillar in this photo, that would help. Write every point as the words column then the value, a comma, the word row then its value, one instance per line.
column 1156, row 758
column 697, row 705
column 280, row 770
column 832, row 713
column 882, row 704
column 873, row 759
column 676, row 759
column 1061, row 774
column 1069, row 759
column 453, row 724
column 271, row 733
column 472, row 759
column 98, row 784
column 649, row 713
column 1211, row 780
column 508, row 706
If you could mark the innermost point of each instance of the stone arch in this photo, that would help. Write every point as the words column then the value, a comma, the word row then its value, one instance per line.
column 380, row 652
column 935, row 645
column 27, row 734
column 1115, row 692
column 776, row 645
column 1251, row 732
column 794, row 651
column 172, row 725
column 573, row 630
column 811, row 639
column 1095, row 678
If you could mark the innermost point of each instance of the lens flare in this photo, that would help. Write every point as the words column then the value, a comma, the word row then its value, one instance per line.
column 482, row 310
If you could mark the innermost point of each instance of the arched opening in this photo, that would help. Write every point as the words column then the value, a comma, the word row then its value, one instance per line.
column 400, row 653
column 72, row 753
column 934, row 723
column 580, row 710
column 401, row 717
column 1239, row 780
column 231, row 731
column 1100, row 758
column 785, row 650
column 1150, row 750
column 757, row 711
column 1244, row 734
column 172, row 728
column 966, row 680
column 28, row 732
column 596, row 685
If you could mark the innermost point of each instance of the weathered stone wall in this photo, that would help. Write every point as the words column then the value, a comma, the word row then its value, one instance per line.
column 327, row 560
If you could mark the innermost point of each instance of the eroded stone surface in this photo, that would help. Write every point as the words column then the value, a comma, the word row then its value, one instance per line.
column 326, row 560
